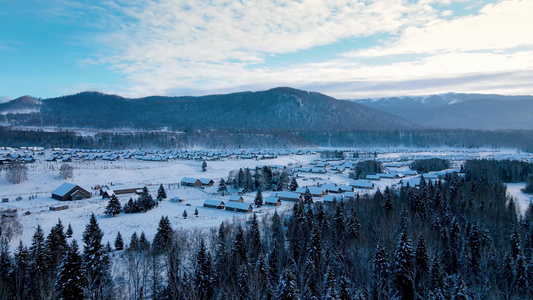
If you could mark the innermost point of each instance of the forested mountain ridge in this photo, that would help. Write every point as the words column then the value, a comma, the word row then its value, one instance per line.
column 452, row 110
column 283, row 109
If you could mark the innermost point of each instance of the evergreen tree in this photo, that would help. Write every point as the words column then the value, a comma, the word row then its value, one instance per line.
column 222, row 187
column 184, row 215
column 203, row 273
column 287, row 287
column 56, row 245
column 195, row 211
column 134, row 242
column 144, row 244
column 96, row 262
column 308, row 199
column 113, row 207
column 294, row 185
column 387, row 199
column 164, row 236
column 381, row 271
column 353, row 224
column 119, row 243
column 69, row 231
column 146, row 202
column 70, row 282
column 403, row 267
column 330, row 290
column 161, row 193
column 204, row 166
column 258, row 198
column 21, row 274
column 242, row 283
column 254, row 240
column 240, row 255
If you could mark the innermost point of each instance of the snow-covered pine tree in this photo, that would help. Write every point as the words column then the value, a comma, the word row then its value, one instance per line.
column 204, row 166
column 254, row 240
column 240, row 255
column 161, row 193
column 222, row 187
column 403, row 267
column 69, row 231
column 242, row 283
column 21, row 272
column 113, row 207
column 184, row 215
column 164, row 236
column 96, row 261
column 308, row 198
column 330, row 286
column 134, row 242
column 196, row 211
column 56, row 245
column 258, row 198
column 70, row 282
column 287, row 286
column 203, row 277
column 293, row 185
column 144, row 244
column 119, row 242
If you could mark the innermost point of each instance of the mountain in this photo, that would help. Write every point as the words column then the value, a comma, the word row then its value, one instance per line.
column 468, row 111
column 284, row 109
column 22, row 105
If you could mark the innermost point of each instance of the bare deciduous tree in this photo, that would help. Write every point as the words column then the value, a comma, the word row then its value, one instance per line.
column 17, row 172
column 66, row 171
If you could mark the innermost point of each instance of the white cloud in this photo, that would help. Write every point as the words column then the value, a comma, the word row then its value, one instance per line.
column 201, row 47
column 446, row 13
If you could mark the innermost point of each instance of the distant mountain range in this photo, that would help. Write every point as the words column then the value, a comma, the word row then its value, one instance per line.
column 452, row 110
column 278, row 109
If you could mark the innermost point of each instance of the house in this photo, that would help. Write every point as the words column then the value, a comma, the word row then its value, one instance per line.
column 236, row 198
column 239, row 207
column 188, row 181
column 108, row 194
column 214, row 203
column 318, row 170
column 330, row 199
column 272, row 201
column 207, row 181
column 68, row 191
column 362, row 184
column 121, row 189
column 241, row 191
column 288, row 196
column 346, row 188
column 373, row 177
column 315, row 191
column 332, row 188
column 349, row 195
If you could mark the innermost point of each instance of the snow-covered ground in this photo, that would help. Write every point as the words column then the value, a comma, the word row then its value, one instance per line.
column 43, row 178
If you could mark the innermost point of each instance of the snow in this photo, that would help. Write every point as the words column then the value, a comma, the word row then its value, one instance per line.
column 64, row 189
column 521, row 199
column 43, row 178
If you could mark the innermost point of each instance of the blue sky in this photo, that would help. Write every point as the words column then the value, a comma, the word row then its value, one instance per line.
column 343, row 48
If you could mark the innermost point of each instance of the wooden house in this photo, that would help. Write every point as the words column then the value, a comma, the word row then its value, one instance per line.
column 239, row 207
column 207, row 181
column 68, row 191
column 214, row 203
column 362, row 184
column 272, row 201
column 236, row 198
column 288, row 196
column 188, row 181
column 330, row 199
column 314, row 190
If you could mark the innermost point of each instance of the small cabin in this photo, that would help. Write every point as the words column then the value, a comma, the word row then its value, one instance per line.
column 214, row 203
column 330, row 199
column 288, row 196
column 362, row 184
column 68, row 192
column 239, row 207
column 272, row 201
column 188, row 181
column 207, row 182
column 236, row 198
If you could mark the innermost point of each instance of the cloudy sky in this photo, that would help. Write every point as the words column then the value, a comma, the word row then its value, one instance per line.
column 346, row 49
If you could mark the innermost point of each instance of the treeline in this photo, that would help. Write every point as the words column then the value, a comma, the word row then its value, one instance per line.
column 429, row 165
column 460, row 238
column 264, row 179
column 495, row 171
column 364, row 168
column 230, row 139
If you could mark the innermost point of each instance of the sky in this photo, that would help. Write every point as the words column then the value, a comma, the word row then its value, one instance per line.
column 346, row 49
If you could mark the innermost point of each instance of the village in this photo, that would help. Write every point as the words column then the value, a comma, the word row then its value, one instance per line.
column 191, row 179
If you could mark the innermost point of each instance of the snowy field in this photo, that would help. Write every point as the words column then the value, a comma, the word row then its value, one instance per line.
column 43, row 178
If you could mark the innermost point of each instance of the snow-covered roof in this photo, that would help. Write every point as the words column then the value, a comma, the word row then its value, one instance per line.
column 63, row 189
column 235, row 198
column 287, row 195
column 331, row 198
column 213, row 202
column 362, row 183
column 238, row 205
column 271, row 200
column 189, row 180
column 313, row 190
column 204, row 180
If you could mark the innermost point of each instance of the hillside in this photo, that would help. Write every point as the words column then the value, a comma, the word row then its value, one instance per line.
column 284, row 109
column 469, row 111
